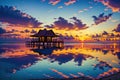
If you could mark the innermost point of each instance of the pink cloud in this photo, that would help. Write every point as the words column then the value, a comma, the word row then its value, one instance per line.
column 70, row 2
column 54, row 2
column 80, row 11
column 113, row 4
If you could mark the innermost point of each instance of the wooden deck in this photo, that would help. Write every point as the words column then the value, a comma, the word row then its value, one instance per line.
column 56, row 43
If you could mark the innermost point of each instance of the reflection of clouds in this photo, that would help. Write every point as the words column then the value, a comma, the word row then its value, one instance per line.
column 18, row 56
column 19, row 62
column 61, row 58
column 74, row 76
column 113, row 61
column 15, row 51
column 14, row 71
column 64, row 58
column 77, row 48
column 79, row 59
column 60, row 73
column 81, row 74
column 78, row 54
column 118, row 54
column 109, row 72
column 98, row 51
column 48, row 76
column 101, row 65
column 22, row 57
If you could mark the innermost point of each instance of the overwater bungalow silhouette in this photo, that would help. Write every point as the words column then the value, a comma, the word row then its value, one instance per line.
column 46, row 38
column 45, row 51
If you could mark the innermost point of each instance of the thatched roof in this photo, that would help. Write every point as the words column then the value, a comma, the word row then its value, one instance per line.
column 45, row 33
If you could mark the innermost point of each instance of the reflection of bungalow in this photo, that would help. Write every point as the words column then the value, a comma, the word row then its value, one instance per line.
column 46, row 38
column 46, row 51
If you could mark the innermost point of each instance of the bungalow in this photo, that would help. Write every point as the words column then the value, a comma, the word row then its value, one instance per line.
column 46, row 38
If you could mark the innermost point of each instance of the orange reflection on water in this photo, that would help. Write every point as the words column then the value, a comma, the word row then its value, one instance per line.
column 106, row 53
column 19, row 51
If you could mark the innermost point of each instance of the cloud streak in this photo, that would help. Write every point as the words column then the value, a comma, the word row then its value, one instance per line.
column 70, row 2
column 101, row 18
column 15, row 17
column 54, row 2
column 60, row 73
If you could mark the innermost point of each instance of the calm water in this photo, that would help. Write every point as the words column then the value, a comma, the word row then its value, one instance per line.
column 18, row 62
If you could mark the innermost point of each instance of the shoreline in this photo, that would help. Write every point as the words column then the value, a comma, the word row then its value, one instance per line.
column 65, row 42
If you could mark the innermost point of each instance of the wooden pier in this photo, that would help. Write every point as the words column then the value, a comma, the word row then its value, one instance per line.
column 57, row 44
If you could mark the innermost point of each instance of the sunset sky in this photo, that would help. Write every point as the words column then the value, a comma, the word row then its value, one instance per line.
column 72, row 17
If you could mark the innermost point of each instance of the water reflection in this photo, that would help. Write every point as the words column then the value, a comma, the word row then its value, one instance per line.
column 90, row 59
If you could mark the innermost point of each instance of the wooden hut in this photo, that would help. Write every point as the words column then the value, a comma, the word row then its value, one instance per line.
column 46, row 38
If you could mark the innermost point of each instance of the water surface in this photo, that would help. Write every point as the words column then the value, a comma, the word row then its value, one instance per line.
column 19, row 62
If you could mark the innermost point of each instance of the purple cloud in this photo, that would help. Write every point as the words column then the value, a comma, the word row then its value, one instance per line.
column 33, row 31
column 101, row 65
column 25, row 31
column 62, row 23
column 101, row 18
column 15, row 17
column 12, row 31
column 105, row 33
column 117, row 29
column 49, row 26
column 113, row 4
column 78, row 23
